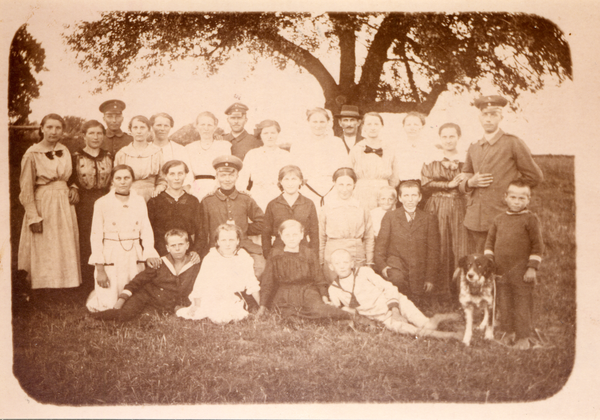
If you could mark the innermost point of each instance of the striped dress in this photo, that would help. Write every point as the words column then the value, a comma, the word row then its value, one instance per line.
column 449, row 207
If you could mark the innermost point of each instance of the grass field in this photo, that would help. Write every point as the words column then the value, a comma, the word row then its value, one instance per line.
column 61, row 356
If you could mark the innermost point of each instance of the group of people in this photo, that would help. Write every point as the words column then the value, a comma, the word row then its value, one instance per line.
column 335, row 227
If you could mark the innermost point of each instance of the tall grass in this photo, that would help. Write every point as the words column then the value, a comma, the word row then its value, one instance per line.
column 62, row 356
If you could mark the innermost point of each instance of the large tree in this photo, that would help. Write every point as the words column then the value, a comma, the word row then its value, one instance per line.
column 26, row 57
column 388, row 62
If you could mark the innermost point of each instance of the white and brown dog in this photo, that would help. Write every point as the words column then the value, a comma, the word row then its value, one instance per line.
column 475, row 274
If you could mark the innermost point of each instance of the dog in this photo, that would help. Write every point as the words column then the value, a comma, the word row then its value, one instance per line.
column 476, row 279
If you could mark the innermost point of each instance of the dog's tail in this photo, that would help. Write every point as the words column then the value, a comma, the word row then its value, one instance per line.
column 456, row 279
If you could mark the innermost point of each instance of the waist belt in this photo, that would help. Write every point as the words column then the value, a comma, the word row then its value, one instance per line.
column 204, row 177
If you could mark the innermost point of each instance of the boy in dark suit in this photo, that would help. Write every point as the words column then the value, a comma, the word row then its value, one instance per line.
column 407, row 249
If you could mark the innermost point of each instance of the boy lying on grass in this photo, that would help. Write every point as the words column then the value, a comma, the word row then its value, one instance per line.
column 364, row 292
column 164, row 288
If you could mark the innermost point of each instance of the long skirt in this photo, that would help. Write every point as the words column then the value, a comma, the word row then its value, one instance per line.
column 304, row 301
column 449, row 207
column 85, row 212
column 367, row 190
column 124, row 263
column 220, row 306
column 51, row 258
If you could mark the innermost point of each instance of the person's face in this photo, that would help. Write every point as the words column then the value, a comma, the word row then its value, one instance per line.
column 372, row 126
column 413, row 126
column 517, row 198
column 318, row 124
column 161, row 128
column 122, row 181
column 269, row 136
column 52, row 130
column 291, row 183
column 490, row 119
column 94, row 137
column 342, row 264
column 226, row 178
column 177, row 246
column 237, row 121
column 344, row 186
column 349, row 125
column 410, row 197
column 175, row 177
column 113, row 120
column 449, row 139
column 139, row 130
column 292, row 236
column 205, row 126
column 228, row 242
column 386, row 200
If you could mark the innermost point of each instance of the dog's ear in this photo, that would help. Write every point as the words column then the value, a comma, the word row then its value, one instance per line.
column 463, row 262
column 490, row 266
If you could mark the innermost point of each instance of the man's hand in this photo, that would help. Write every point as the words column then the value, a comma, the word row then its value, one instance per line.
column 119, row 303
column 428, row 287
column 530, row 276
column 194, row 257
column 36, row 227
column 153, row 262
column 73, row 195
column 102, row 278
column 480, row 180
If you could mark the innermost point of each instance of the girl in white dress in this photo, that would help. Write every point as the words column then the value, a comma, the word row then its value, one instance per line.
column 262, row 165
column 202, row 153
column 227, row 270
column 121, row 240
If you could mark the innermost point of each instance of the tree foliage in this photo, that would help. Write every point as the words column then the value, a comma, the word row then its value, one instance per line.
column 388, row 62
column 26, row 56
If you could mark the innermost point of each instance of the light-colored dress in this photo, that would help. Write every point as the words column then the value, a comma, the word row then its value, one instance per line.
column 319, row 158
column 372, row 171
column 122, row 240
column 146, row 165
column 261, row 166
column 409, row 159
column 217, row 286
column 376, row 217
column 175, row 151
column 51, row 258
column 201, row 165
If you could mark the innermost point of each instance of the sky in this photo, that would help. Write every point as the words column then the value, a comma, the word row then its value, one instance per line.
column 270, row 93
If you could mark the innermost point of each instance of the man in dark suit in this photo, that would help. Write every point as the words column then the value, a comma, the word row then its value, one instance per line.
column 241, row 141
column 350, row 120
column 407, row 249
column 114, row 139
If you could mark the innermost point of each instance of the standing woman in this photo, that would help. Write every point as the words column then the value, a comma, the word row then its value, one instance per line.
column 262, row 165
column 319, row 155
column 49, row 244
column 441, row 178
column 203, row 152
column 90, row 181
column 144, row 158
column 345, row 224
column 121, row 240
column 372, row 161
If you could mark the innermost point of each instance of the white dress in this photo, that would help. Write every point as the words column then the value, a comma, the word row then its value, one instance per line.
column 218, row 281
column 201, row 165
column 146, row 165
column 262, row 166
column 409, row 159
column 122, row 240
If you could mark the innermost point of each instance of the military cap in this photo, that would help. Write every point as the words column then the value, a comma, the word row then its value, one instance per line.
column 349, row 111
column 228, row 161
column 494, row 101
column 113, row 105
column 236, row 107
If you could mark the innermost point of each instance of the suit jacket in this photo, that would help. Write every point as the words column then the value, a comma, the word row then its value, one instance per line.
column 413, row 248
column 349, row 146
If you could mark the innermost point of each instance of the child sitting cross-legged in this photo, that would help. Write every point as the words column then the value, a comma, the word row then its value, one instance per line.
column 226, row 272
column 163, row 288
column 362, row 291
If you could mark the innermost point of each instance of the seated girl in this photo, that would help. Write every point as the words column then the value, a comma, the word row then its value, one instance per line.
column 293, row 282
column 362, row 291
column 226, row 272
column 386, row 201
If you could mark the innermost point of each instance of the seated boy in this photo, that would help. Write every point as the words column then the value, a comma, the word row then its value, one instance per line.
column 515, row 242
column 362, row 291
column 164, row 288
column 407, row 249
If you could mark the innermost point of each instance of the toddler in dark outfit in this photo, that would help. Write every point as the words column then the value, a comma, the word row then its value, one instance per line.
column 515, row 242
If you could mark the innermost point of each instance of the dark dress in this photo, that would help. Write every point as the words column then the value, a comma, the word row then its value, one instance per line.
column 91, row 176
column 448, row 204
column 293, row 284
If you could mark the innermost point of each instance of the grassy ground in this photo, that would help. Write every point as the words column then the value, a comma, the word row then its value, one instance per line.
column 61, row 356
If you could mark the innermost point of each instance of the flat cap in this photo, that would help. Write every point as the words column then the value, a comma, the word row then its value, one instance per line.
column 236, row 107
column 228, row 161
column 113, row 105
column 495, row 101
column 349, row 111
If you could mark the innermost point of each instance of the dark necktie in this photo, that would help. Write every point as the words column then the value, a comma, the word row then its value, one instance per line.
column 378, row 152
column 412, row 217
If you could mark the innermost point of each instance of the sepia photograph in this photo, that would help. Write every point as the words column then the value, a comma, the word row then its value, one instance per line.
column 317, row 210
